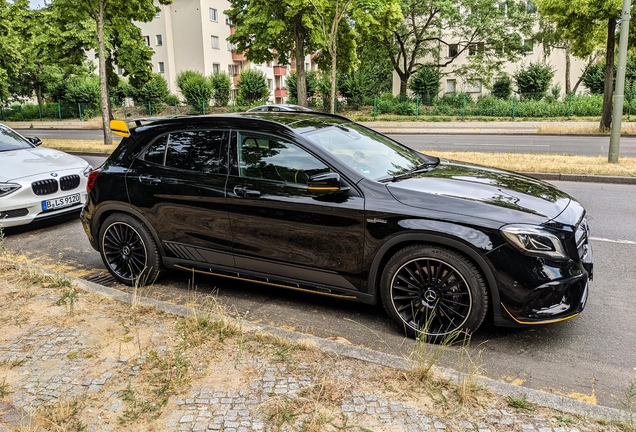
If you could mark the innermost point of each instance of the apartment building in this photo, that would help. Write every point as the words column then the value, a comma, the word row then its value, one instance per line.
column 192, row 35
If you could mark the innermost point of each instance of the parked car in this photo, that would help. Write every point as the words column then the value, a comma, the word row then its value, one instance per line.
column 315, row 202
column 278, row 107
column 37, row 183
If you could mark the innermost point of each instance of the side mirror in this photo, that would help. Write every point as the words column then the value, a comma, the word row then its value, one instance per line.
column 326, row 183
column 34, row 140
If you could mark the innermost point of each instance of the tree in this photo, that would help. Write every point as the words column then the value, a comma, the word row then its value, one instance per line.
column 11, row 56
column 534, row 80
column 588, row 25
column 194, row 87
column 439, row 31
column 311, row 84
column 267, row 30
column 112, row 18
column 221, row 87
column 365, row 16
column 252, row 86
column 426, row 82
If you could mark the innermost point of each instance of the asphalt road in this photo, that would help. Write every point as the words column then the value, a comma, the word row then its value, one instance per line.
column 574, row 145
column 591, row 357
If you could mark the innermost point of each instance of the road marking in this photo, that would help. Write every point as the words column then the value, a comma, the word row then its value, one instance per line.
column 502, row 145
column 613, row 241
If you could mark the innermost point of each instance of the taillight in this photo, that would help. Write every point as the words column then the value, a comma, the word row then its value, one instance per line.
column 92, row 178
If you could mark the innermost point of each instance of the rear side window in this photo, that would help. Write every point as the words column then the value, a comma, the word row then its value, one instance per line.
column 200, row 151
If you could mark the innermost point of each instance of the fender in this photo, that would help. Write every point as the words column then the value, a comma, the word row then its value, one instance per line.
column 452, row 243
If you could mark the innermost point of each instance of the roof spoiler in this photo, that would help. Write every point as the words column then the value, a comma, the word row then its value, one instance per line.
column 120, row 127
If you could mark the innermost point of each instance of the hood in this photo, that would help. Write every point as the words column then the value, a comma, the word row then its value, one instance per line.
column 24, row 163
column 483, row 192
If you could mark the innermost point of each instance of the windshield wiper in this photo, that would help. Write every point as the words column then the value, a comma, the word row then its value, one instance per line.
column 421, row 168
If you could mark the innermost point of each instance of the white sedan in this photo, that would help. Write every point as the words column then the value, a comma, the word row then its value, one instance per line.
column 37, row 183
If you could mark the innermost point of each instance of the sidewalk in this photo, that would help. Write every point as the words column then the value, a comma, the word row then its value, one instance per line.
column 408, row 127
column 108, row 361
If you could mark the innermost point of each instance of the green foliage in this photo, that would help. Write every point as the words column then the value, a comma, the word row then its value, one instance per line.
column 252, row 86
column 534, row 80
column 154, row 91
column 405, row 108
column 172, row 99
column 194, row 87
column 122, row 91
column 502, row 87
column 594, row 78
column 311, row 80
column 221, row 87
column 82, row 90
column 324, row 90
column 359, row 89
column 425, row 83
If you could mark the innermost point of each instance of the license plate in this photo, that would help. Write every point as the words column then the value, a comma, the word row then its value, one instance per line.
column 62, row 202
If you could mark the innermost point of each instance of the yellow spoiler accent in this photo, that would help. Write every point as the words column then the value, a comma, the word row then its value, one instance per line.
column 119, row 127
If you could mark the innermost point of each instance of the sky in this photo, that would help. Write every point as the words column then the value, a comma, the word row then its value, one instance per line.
column 36, row 4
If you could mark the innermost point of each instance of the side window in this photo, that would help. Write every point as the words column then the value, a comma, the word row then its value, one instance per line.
column 156, row 153
column 196, row 150
column 271, row 158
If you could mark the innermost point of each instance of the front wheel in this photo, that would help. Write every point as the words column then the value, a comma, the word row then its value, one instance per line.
column 434, row 291
column 128, row 250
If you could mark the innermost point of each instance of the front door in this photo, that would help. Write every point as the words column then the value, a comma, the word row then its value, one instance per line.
column 279, row 227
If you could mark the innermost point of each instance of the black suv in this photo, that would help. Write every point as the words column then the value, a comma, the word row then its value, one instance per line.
column 316, row 202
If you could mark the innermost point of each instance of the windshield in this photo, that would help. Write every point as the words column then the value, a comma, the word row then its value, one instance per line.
column 371, row 154
column 9, row 140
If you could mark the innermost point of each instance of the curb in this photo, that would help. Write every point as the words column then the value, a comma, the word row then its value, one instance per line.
column 561, row 403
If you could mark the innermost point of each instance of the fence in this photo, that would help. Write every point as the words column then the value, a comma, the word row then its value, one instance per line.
column 455, row 105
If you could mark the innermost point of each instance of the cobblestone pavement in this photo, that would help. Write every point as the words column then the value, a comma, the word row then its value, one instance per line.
column 47, row 360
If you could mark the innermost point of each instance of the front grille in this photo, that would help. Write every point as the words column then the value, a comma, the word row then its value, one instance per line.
column 69, row 182
column 582, row 236
column 14, row 213
column 44, row 187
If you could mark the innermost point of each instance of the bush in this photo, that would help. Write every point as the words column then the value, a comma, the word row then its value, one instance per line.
column 221, row 88
column 502, row 88
column 385, row 106
column 425, row 83
column 594, row 78
column 82, row 90
column 154, row 91
column 252, row 86
column 194, row 88
column 172, row 99
column 533, row 81
column 311, row 80
column 405, row 108
column 356, row 87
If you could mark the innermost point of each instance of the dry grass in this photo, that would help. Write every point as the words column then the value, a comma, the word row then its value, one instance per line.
column 546, row 163
column 582, row 129
column 79, row 145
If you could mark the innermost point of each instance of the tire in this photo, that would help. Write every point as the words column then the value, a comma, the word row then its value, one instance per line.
column 129, row 251
column 449, row 304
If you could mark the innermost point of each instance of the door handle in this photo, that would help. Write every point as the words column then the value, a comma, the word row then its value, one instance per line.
column 146, row 179
column 242, row 191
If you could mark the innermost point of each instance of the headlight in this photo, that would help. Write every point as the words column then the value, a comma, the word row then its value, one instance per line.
column 87, row 170
column 7, row 188
column 534, row 240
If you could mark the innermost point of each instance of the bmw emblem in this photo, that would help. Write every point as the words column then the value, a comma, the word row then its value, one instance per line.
column 53, row 174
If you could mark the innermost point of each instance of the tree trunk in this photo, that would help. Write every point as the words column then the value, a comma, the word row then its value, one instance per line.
column 301, row 79
column 103, row 83
column 332, row 105
column 606, row 118
column 38, row 95
column 404, row 80
column 568, row 84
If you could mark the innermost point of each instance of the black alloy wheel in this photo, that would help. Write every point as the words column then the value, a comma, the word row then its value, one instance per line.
column 129, row 251
column 435, row 292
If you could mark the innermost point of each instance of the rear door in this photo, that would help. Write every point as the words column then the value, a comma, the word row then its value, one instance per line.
column 178, row 184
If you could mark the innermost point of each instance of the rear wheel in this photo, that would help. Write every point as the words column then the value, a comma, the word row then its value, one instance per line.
column 434, row 291
column 128, row 250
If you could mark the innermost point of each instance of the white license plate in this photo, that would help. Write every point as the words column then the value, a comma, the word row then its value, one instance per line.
column 62, row 202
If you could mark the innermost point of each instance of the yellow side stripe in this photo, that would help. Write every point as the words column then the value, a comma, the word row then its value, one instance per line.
column 538, row 322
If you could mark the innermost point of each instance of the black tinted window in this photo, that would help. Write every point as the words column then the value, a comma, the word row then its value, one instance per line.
column 157, row 151
column 196, row 150
column 274, row 159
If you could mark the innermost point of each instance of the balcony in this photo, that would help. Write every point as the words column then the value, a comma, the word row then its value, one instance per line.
column 235, row 79
column 280, row 92
column 238, row 57
column 280, row 70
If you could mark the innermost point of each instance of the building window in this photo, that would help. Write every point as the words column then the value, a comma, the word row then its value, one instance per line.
column 162, row 69
column 451, row 86
column 228, row 21
column 270, row 84
column 531, row 8
column 452, row 50
column 159, row 40
column 474, row 49
column 233, row 69
column 147, row 40
column 528, row 46
column 158, row 15
column 216, row 68
column 503, row 8
column 215, row 42
column 473, row 86
column 120, row 71
column 213, row 15
column 230, row 46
